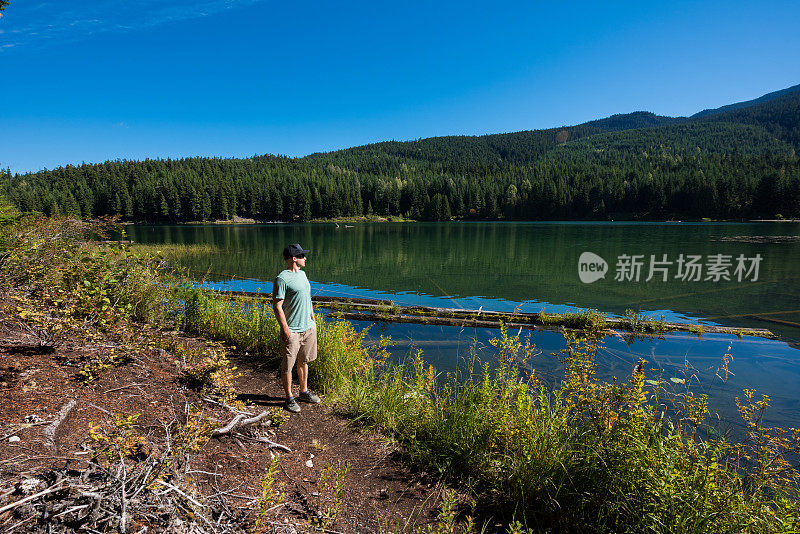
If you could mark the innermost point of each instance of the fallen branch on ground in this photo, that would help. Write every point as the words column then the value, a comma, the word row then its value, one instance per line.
column 240, row 421
column 51, row 489
column 50, row 430
column 271, row 444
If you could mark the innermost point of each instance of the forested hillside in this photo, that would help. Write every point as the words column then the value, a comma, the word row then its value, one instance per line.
column 739, row 161
column 780, row 116
column 765, row 98
column 629, row 121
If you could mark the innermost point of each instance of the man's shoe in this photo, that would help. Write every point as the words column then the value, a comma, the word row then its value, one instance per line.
column 291, row 405
column 309, row 396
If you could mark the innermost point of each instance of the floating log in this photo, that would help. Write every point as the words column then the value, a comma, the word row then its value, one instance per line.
column 363, row 309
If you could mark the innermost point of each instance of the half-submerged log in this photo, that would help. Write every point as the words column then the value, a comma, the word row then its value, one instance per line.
column 362, row 309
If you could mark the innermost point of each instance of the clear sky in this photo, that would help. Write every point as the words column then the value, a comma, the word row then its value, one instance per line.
column 90, row 80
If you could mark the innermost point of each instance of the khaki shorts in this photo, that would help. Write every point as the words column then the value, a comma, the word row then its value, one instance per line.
column 300, row 346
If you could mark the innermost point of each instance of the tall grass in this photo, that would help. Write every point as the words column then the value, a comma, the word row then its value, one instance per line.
column 175, row 251
column 248, row 326
column 586, row 456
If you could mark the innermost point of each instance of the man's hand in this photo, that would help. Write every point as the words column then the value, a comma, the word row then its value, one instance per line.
column 277, row 305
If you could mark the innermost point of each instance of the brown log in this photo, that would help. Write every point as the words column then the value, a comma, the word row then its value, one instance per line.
column 362, row 309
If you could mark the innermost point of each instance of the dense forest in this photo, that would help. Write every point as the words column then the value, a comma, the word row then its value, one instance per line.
column 739, row 161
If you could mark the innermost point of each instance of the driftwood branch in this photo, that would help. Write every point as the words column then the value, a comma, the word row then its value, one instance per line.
column 123, row 498
column 271, row 444
column 50, row 430
column 51, row 489
column 124, row 387
column 170, row 487
column 240, row 421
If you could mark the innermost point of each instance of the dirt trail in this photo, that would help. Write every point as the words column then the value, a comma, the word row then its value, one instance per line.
column 44, row 403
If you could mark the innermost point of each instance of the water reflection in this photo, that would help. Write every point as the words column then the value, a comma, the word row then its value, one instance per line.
column 534, row 265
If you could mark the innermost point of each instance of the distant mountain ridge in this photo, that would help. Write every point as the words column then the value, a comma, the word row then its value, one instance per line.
column 629, row 121
column 777, row 112
column 738, row 105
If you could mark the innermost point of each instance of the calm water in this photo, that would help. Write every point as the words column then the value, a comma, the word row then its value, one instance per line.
column 531, row 266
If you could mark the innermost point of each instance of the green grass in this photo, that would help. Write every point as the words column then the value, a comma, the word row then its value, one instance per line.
column 640, row 323
column 175, row 251
column 579, row 320
column 247, row 325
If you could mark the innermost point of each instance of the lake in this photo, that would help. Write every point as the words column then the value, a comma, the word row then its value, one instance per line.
column 739, row 274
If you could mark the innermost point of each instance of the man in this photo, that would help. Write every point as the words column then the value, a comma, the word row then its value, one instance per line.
column 291, row 300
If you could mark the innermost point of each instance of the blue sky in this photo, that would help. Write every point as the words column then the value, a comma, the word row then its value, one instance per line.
column 154, row 78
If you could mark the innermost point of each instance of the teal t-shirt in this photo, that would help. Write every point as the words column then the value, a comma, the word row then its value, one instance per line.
column 295, row 291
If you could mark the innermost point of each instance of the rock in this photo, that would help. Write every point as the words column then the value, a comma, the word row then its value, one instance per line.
column 30, row 485
column 309, row 463
column 33, row 419
column 14, row 439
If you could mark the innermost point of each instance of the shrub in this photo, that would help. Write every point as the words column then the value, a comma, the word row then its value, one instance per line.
column 587, row 456
column 209, row 371
column 246, row 325
column 98, row 283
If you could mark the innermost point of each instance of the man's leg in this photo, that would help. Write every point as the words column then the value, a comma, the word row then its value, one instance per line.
column 306, row 354
column 286, row 379
column 289, row 357
column 289, row 349
column 302, row 375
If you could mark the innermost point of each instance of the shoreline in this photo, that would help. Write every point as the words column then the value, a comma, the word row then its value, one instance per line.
column 392, row 219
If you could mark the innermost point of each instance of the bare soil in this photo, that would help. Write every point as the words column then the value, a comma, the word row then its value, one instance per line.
column 45, row 403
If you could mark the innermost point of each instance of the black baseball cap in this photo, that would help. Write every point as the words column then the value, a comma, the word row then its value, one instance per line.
column 293, row 250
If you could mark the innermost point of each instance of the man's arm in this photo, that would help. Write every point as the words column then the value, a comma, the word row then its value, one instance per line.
column 277, row 306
